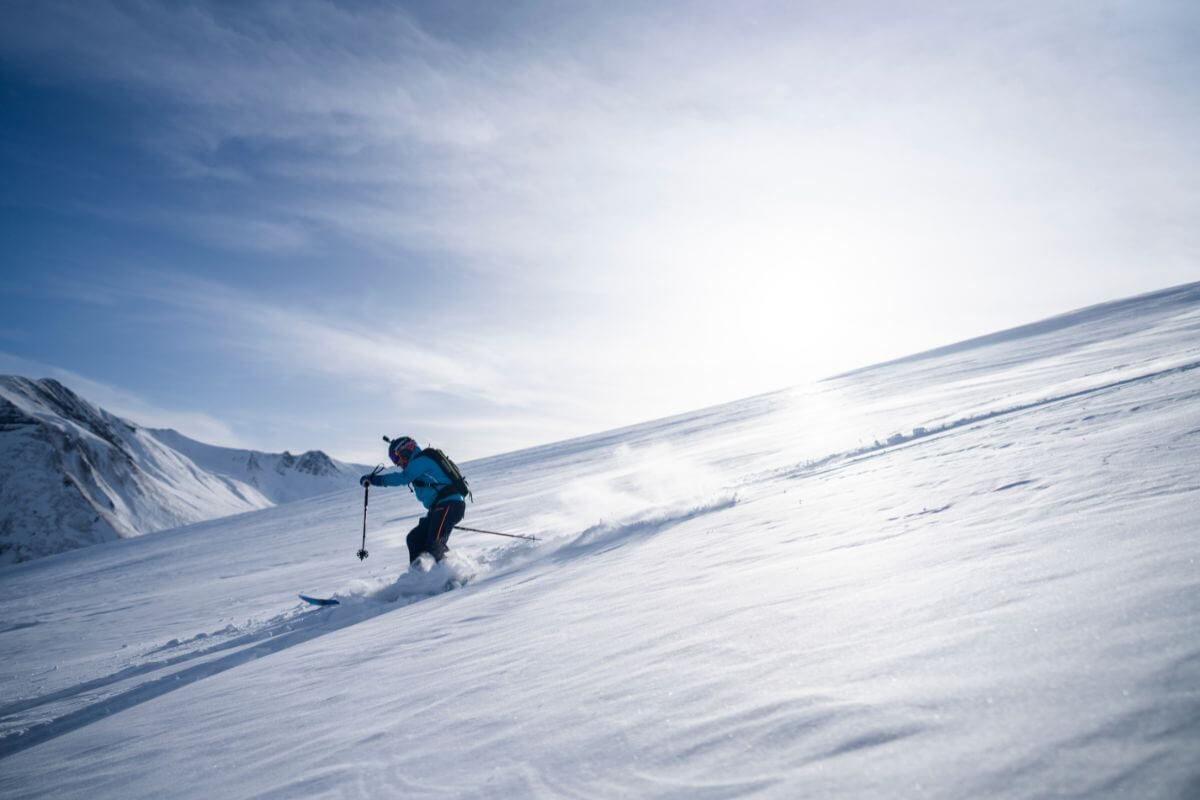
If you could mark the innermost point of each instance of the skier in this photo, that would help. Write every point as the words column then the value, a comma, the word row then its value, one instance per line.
column 430, row 475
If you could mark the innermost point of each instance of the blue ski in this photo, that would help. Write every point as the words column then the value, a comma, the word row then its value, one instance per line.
column 319, row 601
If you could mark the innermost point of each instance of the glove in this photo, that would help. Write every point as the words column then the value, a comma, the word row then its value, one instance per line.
column 365, row 480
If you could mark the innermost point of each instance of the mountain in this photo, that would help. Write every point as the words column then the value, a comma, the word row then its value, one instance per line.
column 73, row 475
column 280, row 477
column 968, row 575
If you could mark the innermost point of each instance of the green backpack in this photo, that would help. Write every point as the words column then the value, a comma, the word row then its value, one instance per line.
column 458, row 483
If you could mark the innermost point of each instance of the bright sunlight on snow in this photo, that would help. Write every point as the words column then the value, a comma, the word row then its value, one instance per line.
column 970, row 573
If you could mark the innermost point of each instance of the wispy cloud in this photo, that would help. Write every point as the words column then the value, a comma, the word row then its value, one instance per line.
column 126, row 404
column 594, row 213
column 639, row 144
column 389, row 353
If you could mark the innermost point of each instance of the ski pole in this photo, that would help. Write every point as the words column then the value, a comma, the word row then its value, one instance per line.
column 362, row 553
column 497, row 533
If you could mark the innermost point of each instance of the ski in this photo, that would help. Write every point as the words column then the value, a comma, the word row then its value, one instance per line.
column 319, row 601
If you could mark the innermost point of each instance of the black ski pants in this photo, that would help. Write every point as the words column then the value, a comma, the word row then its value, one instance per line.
column 433, row 531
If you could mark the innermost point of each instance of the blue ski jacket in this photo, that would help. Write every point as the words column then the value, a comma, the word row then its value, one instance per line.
column 424, row 476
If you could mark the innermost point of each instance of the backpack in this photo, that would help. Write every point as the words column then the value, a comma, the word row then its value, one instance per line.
column 457, row 485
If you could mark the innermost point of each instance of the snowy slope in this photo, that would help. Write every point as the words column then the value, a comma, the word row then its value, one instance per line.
column 759, row 599
column 72, row 474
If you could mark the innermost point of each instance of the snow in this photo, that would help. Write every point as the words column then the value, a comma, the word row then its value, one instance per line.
column 759, row 599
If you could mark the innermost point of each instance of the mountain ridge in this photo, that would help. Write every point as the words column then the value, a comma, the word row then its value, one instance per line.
column 74, row 474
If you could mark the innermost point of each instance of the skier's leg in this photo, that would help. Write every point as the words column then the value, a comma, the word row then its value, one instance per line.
column 443, row 518
column 416, row 540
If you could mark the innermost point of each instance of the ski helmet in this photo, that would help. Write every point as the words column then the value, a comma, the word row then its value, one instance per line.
column 402, row 449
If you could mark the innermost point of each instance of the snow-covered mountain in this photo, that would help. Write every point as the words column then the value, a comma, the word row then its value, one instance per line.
column 72, row 474
column 280, row 477
column 974, row 573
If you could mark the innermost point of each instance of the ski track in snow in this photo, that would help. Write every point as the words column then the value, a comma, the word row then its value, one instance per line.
column 233, row 647
column 935, row 578
column 207, row 654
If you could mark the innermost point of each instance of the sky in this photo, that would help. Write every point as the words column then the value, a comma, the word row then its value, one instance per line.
column 301, row 225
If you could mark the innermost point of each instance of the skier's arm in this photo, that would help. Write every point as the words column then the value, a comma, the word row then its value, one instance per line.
column 417, row 468
column 401, row 478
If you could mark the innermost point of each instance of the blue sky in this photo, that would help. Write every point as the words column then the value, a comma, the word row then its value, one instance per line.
column 296, row 225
